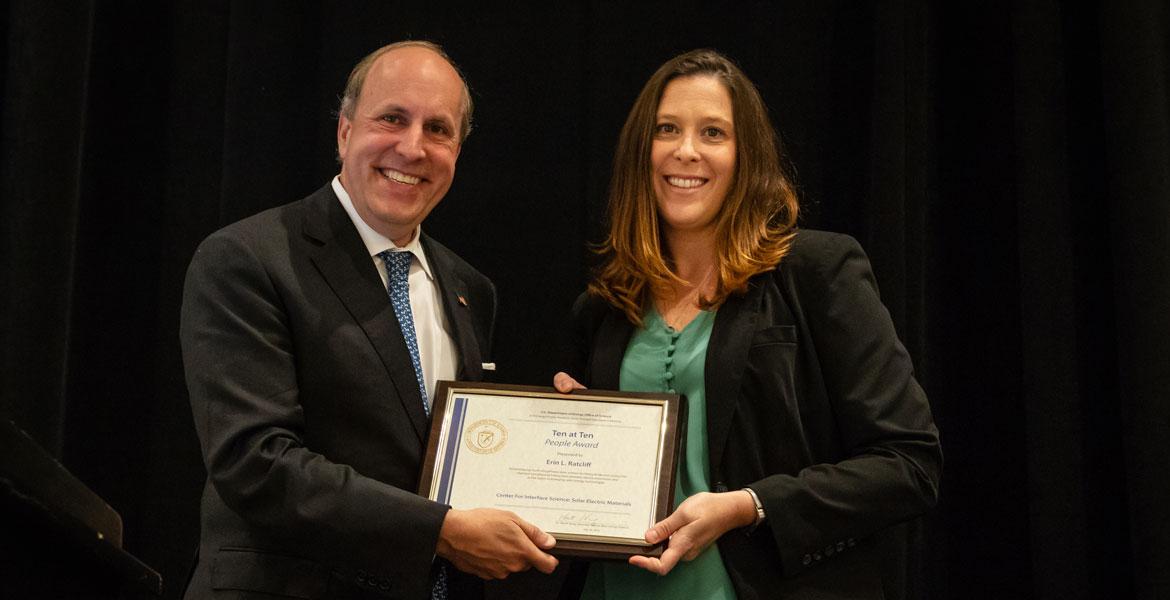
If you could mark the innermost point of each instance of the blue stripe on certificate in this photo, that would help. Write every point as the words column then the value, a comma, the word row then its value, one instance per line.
column 451, row 452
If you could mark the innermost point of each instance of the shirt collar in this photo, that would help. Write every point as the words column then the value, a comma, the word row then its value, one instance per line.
column 375, row 242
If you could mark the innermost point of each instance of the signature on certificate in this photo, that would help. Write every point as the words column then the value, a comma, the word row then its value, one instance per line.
column 587, row 520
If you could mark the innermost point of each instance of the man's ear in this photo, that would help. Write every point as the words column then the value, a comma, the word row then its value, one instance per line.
column 344, row 127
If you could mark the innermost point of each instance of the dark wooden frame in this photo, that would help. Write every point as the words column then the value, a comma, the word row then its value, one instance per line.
column 673, row 404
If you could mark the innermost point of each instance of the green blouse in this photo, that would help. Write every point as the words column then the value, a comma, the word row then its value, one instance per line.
column 660, row 359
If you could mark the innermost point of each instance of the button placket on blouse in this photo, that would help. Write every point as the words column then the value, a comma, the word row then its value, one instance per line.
column 668, row 363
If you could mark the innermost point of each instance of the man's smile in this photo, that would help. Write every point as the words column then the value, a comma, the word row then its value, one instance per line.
column 400, row 177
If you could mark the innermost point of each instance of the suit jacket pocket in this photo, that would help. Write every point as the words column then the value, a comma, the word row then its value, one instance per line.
column 251, row 570
column 778, row 334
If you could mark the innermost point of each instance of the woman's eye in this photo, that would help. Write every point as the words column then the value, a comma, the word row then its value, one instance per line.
column 665, row 128
column 713, row 132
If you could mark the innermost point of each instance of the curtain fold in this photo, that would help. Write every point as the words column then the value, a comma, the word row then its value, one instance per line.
column 44, row 124
column 1135, row 76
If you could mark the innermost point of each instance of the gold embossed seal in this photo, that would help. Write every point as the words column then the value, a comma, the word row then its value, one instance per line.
column 485, row 436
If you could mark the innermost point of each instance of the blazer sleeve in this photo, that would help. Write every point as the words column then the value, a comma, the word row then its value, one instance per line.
column 890, row 460
column 240, row 364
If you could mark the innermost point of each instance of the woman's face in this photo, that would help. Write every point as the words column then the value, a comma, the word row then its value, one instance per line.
column 693, row 154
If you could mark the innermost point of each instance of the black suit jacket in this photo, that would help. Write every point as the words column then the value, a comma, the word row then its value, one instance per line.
column 308, row 411
column 811, row 402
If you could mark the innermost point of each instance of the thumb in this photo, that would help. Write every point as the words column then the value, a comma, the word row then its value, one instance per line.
column 665, row 528
column 565, row 383
column 544, row 563
column 542, row 540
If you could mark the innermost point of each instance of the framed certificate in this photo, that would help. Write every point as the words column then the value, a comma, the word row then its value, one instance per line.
column 594, row 469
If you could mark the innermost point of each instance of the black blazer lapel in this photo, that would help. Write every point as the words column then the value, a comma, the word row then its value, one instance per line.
column 613, row 335
column 731, row 336
column 455, row 305
column 727, row 354
column 342, row 259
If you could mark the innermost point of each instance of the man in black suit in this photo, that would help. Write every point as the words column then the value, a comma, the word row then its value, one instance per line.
column 313, row 335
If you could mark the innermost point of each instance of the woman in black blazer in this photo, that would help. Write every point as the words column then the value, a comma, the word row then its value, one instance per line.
column 809, row 439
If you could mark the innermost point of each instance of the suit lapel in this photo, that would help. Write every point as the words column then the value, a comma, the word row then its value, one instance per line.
column 731, row 337
column 458, row 311
column 342, row 259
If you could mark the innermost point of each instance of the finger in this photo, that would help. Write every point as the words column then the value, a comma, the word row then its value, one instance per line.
column 561, row 382
column 474, row 569
column 536, row 534
column 545, row 563
column 665, row 528
column 565, row 383
column 662, row 565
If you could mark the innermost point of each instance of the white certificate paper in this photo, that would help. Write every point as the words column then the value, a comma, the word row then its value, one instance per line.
column 579, row 470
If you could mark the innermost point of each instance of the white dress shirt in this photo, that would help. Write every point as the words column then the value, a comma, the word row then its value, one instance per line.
column 436, row 346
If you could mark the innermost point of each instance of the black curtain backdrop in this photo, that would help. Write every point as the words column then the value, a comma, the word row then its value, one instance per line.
column 1006, row 165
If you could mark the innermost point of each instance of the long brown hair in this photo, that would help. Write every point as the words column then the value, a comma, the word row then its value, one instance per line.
column 756, row 223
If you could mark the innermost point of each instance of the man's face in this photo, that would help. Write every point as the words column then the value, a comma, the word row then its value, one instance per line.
column 399, row 149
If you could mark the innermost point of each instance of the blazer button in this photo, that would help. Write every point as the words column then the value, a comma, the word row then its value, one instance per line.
column 840, row 546
column 817, row 556
column 807, row 559
column 851, row 542
column 829, row 550
column 720, row 487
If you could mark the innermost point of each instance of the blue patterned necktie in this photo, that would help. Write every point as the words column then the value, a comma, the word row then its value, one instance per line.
column 398, row 274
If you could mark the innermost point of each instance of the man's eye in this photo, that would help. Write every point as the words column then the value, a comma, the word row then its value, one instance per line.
column 438, row 129
column 394, row 119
